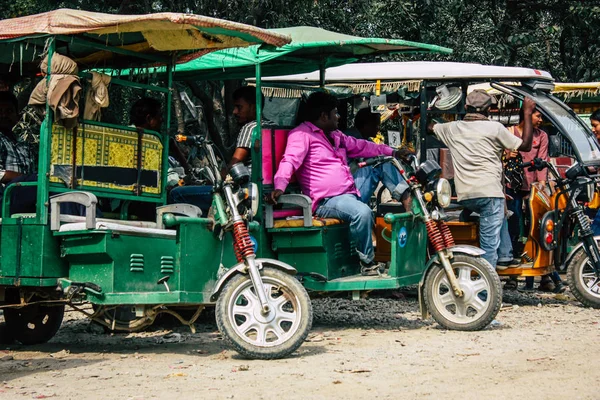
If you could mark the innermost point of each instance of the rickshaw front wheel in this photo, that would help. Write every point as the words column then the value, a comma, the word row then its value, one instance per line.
column 34, row 324
column 264, row 336
column 482, row 294
column 582, row 279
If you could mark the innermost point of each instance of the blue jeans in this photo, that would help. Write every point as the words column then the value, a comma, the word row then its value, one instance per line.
column 200, row 196
column 349, row 208
column 505, row 250
column 491, row 224
column 596, row 224
column 367, row 178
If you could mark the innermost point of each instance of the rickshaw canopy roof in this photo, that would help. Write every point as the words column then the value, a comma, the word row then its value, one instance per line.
column 311, row 48
column 21, row 39
column 418, row 70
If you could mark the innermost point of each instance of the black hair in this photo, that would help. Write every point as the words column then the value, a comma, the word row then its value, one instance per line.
column 318, row 103
column 595, row 115
column 8, row 97
column 248, row 93
column 142, row 108
column 364, row 116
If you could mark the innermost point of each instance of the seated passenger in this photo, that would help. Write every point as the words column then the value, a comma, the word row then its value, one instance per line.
column 17, row 160
column 146, row 113
column 317, row 153
column 366, row 126
column 244, row 111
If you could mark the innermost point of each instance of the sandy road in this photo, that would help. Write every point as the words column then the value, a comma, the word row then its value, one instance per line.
column 367, row 349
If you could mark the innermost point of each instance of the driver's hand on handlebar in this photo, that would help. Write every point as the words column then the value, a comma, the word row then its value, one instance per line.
column 272, row 199
column 403, row 154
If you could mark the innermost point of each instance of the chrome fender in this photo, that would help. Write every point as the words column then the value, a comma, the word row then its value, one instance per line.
column 572, row 252
column 461, row 249
column 241, row 269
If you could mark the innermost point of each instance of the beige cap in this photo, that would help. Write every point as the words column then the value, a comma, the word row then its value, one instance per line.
column 480, row 100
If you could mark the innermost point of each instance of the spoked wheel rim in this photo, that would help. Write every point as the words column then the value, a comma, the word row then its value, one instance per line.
column 476, row 299
column 588, row 280
column 265, row 330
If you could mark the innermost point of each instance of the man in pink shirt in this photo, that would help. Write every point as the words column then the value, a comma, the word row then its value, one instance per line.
column 317, row 153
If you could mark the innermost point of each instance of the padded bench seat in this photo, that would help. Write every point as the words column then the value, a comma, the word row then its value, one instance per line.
column 299, row 223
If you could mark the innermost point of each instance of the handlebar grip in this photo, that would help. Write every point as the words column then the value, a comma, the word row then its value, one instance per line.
column 181, row 138
column 526, row 164
column 371, row 161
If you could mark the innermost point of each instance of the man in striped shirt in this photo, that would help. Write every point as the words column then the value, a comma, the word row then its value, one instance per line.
column 244, row 111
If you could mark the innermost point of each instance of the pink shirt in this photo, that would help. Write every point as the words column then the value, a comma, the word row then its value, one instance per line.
column 322, row 169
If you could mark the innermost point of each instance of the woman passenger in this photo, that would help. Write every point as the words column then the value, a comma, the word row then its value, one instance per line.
column 539, row 149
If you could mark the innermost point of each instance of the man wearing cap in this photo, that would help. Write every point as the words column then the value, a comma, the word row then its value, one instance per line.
column 476, row 145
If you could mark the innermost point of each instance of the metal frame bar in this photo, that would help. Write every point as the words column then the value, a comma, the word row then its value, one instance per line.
column 112, row 49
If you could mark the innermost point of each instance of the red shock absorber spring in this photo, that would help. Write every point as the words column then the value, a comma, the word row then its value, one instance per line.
column 435, row 236
column 446, row 234
column 242, row 244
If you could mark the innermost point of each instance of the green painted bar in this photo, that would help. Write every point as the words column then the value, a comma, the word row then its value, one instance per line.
column 135, row 85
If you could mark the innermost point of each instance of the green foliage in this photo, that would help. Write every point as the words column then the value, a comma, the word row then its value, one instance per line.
column 562, row 37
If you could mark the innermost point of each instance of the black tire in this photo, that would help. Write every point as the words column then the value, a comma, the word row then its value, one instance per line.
column 238, row 294
column 481, row 286
column 580, row 275
column 34, row 324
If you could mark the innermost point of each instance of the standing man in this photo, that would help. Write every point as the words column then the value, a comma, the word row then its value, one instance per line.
column 366, row 126
column 317, row 154
column 476, row 145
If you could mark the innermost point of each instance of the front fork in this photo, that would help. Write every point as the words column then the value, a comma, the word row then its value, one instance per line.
column 436, row 237
column 244, row 250
column 587, row 237
column 445, row 256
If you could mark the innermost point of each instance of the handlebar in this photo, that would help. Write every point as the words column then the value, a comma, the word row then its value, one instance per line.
column 536, row 164
column 373, row 161
column 189, row 139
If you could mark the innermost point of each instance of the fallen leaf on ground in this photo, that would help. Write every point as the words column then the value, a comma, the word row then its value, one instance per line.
column 222, row 355
column 315, row 338
column 177, row 375
column 468, row 355
column 337, row 382
column 353, row 371
column 541, row 359
column 60, row 354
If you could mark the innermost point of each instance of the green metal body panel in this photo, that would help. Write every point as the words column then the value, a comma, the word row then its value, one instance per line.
column 327, row 251
column 409, row 252
column 30, row 254
column 127, row 267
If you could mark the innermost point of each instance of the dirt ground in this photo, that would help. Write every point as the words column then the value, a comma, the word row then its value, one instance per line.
column 540, row 347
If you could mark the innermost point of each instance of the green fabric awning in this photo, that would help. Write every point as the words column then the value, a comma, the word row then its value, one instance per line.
column 311, row 49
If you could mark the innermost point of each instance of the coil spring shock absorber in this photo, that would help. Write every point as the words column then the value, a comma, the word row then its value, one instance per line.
column 446, row 234
column 242, row 244
column 585, row 229
column 435, row 236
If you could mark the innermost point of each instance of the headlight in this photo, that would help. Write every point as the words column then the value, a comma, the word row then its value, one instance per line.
column 443, row 192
